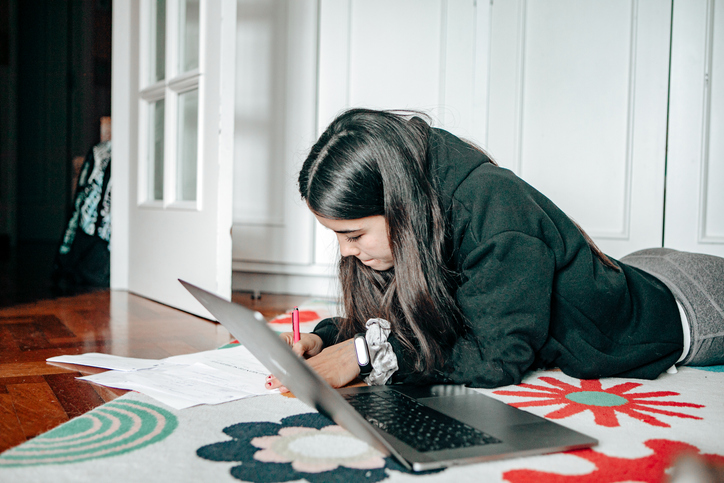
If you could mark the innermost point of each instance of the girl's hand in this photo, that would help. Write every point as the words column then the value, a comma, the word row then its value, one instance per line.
column 309, row 344
column 336, row 364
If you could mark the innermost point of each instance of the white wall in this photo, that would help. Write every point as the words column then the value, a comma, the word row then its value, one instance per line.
column 571, row 95
column 578, row 100
column 296, row 70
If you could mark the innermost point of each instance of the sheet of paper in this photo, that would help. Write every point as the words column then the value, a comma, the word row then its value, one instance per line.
column 121, row 380
column 194, row 384
column 232, row 359
column 237, row 355
column 209, row 377
column 106, row 361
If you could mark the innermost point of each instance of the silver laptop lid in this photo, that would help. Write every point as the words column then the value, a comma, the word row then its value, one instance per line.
column 251, row 329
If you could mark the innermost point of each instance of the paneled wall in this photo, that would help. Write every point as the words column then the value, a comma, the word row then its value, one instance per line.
column 578, row 99
column 407, row 54
column 573, row 96
column 301, row 63
column 695, row 170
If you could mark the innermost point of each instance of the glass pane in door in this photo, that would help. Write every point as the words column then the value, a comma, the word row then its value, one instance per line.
column 188, row 120
column 155, row 151
column 157, row 68
column 189, row 36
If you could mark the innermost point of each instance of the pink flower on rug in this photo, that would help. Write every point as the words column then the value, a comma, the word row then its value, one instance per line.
column 603, row 403
column 311, row 450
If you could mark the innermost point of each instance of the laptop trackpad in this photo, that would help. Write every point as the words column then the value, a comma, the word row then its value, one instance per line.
column 480, row 411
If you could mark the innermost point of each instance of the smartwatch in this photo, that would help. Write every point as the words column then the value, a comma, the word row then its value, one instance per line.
column 363, row 355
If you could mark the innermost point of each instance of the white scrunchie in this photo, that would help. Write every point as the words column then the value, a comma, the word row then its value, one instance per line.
column 384, row 360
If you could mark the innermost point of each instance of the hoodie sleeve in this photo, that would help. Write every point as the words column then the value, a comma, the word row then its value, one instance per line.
column 506, row 299
column 328, row 331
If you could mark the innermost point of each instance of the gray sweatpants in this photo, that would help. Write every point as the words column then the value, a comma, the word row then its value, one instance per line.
column 697, row 282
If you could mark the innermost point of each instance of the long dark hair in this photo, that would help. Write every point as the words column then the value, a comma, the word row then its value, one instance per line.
column 371, row 163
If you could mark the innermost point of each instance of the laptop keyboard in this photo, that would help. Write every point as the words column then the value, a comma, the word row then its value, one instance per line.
column 421, row 427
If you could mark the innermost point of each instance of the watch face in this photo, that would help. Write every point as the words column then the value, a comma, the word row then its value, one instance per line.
column 360, row 346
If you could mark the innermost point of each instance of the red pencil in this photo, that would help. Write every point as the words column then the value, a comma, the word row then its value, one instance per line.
column 295, row 324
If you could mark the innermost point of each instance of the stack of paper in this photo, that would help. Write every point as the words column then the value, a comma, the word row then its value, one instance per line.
column 209, row 377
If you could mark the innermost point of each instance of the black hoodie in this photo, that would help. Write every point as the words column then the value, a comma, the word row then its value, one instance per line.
column 533, row 293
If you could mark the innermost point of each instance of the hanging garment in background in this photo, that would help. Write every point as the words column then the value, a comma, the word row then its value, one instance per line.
column 83, row 258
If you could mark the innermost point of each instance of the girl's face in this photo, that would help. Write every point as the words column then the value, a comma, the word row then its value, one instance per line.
column 364, row 238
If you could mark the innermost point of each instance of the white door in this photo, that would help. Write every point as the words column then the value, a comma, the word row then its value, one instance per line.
column 695, row 162
column 177, row 138
column 577, row 107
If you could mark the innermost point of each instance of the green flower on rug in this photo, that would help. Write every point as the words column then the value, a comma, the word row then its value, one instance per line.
column 112, row 429
column 304, row 446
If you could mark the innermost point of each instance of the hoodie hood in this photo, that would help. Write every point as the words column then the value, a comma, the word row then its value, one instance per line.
column 451, row 161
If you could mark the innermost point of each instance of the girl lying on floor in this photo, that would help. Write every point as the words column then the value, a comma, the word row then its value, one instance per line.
column 456, row 270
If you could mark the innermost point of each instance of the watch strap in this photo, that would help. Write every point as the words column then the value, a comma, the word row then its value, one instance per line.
column 364, row 360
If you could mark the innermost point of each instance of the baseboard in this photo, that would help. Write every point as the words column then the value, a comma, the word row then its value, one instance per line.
column 314, row 286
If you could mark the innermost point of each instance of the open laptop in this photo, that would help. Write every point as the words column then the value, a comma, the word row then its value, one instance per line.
column 456, row 425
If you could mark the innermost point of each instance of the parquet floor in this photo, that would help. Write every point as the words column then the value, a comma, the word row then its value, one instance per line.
column 36, row 396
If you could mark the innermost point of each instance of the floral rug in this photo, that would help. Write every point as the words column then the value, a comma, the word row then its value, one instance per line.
column 643, row 428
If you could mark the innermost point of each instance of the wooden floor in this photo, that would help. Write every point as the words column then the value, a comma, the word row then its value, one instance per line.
column 36, row 396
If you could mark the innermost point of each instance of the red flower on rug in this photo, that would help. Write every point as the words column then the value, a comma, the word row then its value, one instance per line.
column 304, row 316
column 603, row 403
column 650, row 468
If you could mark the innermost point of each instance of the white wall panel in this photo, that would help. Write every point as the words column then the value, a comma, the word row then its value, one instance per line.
column 713, row 164
column 426, row 55
column 464, row 89
column 575, row 112
column 407, row 75
column 261, row 71
column 404, row 54
column 578, row 98
column 695, row 164
column 275, row 125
